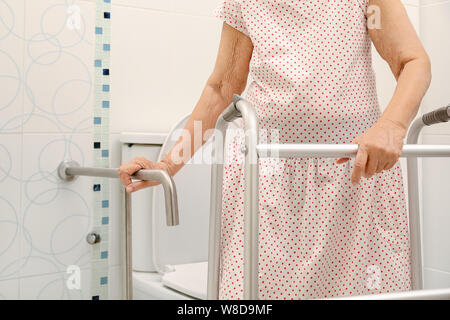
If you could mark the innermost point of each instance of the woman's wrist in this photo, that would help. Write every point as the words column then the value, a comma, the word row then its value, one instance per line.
column 395, row 124
column 169, row 166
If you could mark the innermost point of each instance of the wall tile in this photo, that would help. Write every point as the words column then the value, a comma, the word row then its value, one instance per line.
column 116, row 284
column 10, row 217
column 56, row 214
column 54, row 287
column 162, row 65
column 9, row 289
column 64, row 52
column 436, row 217
column 141, row 82
column 11, row 62
column 436, row 279
column 144, row 4
column 425, row 3
column 435, row 30
column 197, row 7
column 46, row 64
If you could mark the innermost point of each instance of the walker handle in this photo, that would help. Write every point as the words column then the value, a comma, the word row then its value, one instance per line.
column 437, row 116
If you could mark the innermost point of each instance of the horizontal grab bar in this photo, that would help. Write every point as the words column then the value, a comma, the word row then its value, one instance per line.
column 342, row 150
column 69, row 169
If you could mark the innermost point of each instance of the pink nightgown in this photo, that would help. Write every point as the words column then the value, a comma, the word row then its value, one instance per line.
column 311, row 81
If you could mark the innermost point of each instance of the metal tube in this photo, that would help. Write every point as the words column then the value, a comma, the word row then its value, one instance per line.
column 342, row 150
column 170, row 193
column 251, row 201
column 215, row 216
column 68, row 170
column 228, row 115
column 414, row 220
column 128, row 248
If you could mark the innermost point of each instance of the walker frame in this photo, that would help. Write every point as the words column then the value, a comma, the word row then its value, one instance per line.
column 241, row 108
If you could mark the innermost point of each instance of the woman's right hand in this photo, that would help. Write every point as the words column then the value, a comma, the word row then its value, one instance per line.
column 127, row 169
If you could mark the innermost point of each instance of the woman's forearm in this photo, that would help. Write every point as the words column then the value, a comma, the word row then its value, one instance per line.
column 212, row 102
column 229, row 77
column 412, row 84
column 397, row 42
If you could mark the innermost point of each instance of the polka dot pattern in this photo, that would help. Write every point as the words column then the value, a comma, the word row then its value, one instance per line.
column 311, row 81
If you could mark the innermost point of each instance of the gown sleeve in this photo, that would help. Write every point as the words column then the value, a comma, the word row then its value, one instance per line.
column 230, row 11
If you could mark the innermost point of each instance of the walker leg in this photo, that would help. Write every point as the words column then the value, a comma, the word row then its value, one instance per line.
column 216, row 201
column 251, row 210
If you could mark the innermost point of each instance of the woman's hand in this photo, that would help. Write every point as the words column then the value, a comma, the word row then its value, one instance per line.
column 127, row 169
column 379, row 149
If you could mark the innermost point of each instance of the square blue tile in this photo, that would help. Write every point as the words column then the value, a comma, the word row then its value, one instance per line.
column 105, row 88
column 105, row 104
column 97, row 120
column 105, row 220
column 105, row 153
column 103, row 280
column 105, row 204
column 104, row 255
column 98, row 63
column 106, row 47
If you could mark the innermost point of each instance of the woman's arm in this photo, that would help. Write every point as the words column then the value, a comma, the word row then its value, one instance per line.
column 398, row 44
column 228, row 77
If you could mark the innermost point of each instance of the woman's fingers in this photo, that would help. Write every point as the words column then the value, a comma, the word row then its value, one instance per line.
column 126, row 170
column 342, row 160
column 371, row 165
column 360, row 165
column 138, row 185
column 381, row 166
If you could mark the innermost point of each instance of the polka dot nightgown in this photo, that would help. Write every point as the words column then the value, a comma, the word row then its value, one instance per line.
column 311, row 81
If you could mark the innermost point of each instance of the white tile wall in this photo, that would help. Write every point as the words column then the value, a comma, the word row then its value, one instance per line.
column 163, row 60
column 436, row 279
column 11, row 62
column 435, row 32
column 46, row 96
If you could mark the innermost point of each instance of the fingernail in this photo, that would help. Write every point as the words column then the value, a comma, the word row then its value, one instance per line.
column 129, row 189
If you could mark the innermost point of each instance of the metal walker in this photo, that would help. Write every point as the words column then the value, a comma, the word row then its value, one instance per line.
column 240, row 108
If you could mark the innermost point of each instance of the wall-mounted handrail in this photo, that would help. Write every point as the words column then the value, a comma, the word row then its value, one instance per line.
column 242, row 108
column 68, row 170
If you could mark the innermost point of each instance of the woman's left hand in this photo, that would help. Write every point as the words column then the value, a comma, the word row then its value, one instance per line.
column 379, row 149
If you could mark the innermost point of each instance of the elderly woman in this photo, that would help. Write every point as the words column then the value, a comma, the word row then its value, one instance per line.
column 327, row 227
